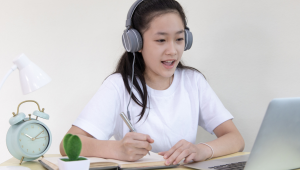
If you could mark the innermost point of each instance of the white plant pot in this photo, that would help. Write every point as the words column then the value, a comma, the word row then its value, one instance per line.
column 74, row 165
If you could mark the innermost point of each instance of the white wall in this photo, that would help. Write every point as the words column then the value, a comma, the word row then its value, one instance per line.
column 248, row 50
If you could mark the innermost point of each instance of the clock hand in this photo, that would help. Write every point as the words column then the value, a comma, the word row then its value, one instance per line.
column 39, row 134
column 29, row 136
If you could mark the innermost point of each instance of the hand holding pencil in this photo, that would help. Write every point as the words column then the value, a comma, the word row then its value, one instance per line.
column 134, row 145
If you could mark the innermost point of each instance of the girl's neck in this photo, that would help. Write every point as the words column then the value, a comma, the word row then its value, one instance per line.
column 157, row 82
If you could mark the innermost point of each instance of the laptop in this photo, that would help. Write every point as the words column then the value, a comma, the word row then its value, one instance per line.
column 277, row 145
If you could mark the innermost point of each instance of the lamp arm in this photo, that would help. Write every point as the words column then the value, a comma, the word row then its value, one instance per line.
column 13, row 68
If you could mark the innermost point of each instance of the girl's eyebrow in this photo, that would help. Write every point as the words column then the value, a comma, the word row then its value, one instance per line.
column 164, row 33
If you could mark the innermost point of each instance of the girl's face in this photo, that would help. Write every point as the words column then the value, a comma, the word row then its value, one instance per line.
column 163, row 45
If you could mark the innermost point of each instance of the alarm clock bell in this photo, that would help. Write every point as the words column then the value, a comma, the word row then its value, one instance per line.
column 16, row 118
column 41, row 114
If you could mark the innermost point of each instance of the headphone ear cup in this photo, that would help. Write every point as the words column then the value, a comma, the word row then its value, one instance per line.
column 132, row 40
column 188, row 39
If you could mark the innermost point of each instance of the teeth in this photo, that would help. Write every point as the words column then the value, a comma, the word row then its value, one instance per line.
column 168, row 61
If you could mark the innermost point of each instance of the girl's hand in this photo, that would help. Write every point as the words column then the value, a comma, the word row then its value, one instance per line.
column 134, row 146
column 187, row 150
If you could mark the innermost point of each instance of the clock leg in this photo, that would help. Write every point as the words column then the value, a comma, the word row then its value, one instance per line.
column 42, row 156
column 21, row 160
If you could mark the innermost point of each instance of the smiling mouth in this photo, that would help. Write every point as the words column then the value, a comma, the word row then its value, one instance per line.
column 168, row 63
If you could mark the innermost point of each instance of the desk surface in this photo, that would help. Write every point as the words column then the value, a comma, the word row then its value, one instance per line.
column 35, row 165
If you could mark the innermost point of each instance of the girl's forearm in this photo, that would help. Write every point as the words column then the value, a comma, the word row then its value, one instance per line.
column 224, row 145
column 92, row 147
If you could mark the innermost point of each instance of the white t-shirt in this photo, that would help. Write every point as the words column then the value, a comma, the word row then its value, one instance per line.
column 175, row 113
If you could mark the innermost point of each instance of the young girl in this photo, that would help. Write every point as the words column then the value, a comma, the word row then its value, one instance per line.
column 169, row 100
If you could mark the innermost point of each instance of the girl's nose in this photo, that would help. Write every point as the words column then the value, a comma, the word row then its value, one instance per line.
column 171, row 49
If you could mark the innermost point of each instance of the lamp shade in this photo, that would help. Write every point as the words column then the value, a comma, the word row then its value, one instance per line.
column 31, row 76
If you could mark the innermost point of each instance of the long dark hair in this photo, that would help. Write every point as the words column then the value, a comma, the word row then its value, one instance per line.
column 141, row 19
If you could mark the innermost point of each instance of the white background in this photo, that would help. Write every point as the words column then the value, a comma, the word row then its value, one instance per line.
column 248, row 50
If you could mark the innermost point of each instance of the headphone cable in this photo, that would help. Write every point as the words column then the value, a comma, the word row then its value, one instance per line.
column 128, row 113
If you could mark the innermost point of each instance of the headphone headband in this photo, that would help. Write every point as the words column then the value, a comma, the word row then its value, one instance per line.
column 131, row 11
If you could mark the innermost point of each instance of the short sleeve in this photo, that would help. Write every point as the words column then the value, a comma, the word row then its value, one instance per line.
column 212, row 111
column 98, row 118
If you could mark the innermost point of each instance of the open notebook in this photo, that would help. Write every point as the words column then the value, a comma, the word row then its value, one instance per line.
column 147, row 162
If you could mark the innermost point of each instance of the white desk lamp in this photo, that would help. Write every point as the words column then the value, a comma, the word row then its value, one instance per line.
column 31, row 79
column 31, row 76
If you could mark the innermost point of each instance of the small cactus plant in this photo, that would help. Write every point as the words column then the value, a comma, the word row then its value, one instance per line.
column 72, row 146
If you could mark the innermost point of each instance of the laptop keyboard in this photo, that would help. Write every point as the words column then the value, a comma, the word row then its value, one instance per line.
column 232, row 166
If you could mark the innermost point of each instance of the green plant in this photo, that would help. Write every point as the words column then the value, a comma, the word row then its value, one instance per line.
column 72, row 146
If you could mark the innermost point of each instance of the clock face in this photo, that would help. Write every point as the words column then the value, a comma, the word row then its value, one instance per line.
column 33, row 139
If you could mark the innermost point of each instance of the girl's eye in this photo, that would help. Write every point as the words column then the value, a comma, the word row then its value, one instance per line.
column 161, row 40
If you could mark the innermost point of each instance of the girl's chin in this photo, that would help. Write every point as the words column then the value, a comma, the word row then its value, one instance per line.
column 167, row 73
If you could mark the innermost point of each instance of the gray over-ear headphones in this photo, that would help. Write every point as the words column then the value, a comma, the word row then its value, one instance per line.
column 132, row 40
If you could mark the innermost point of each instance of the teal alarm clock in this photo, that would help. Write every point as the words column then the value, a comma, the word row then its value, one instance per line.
column 28, row 139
